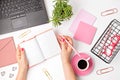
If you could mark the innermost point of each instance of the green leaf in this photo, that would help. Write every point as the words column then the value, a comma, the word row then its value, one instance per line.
column 62, row 11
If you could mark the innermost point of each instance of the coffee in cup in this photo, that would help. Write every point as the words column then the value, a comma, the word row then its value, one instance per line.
column 83, row 64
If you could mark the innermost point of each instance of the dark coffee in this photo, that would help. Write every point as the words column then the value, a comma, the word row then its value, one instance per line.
column 82, row 64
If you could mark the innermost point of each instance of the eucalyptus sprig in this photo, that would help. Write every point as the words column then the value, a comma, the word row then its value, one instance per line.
column 62, row 11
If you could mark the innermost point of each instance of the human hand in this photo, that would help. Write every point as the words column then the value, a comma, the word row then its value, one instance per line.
column 66, row 50
column 22, row 60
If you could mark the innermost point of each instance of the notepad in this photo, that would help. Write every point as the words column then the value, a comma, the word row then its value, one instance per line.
column 83, row 16
column 7, row 52
column 85, row 33
column 41, row 47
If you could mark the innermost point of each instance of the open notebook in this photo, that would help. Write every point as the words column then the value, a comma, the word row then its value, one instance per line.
column 41, row 47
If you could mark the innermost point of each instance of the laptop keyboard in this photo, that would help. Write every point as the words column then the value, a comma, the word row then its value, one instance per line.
column 18, row 8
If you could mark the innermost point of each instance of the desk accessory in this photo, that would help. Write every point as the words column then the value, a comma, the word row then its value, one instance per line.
column 24, row 34
column 108, row 44
column 76, row 59
column 104, row 70
column 109, row 12
column 47, row 74
column 83, row 16
column 88, row 31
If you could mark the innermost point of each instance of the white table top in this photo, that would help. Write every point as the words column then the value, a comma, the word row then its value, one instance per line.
column 54, row 65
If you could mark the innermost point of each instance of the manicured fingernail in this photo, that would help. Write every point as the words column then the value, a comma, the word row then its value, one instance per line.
column 63, row 40
column 22, row 49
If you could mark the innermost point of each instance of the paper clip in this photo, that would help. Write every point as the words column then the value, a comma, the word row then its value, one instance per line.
column 104, row 70
column 109, row 12
column 24, row 34
column 47, row 74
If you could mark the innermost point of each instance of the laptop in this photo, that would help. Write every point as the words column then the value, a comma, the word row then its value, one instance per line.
column 20, row 14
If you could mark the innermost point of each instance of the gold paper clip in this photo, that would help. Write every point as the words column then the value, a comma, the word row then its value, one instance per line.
column 47, row 74
column 24, row 34
column 109, row 12
column 104, row 70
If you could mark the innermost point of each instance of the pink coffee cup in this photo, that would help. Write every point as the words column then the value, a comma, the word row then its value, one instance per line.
column 82, row 65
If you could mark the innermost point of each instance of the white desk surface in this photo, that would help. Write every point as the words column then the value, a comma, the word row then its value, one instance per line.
column 54, row 65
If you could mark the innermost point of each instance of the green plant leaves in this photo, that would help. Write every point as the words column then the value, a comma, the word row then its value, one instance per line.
column 62, row 11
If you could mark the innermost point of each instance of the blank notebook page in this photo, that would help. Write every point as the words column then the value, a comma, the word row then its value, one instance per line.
column 48, row 44
column 33, row 52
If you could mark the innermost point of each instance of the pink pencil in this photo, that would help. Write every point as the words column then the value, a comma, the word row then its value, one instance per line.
column 71, row 46
column 76, row 52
